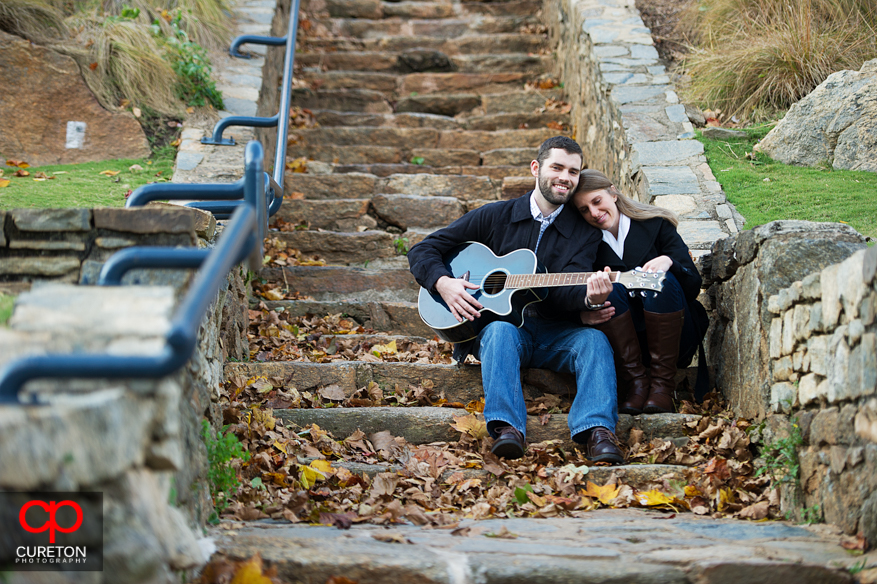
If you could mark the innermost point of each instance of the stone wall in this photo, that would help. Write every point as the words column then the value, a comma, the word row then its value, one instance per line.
column 137, row 441
column 793, row 342
column 823, row 376
column 628, row 119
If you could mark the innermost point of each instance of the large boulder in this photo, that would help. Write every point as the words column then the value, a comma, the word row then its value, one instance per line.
column 49, row 116
column 836, row 123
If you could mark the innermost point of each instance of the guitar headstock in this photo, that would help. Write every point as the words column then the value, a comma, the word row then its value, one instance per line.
column 641, row 280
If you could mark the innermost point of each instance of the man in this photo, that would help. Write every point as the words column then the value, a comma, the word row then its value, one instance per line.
column 549, row 338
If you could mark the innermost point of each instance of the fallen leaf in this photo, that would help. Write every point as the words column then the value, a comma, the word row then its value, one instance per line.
column 332, row 392
column 18, row 163
column 4, row 182
column 470, row 425
column 298, row 165
column 21, row 173
column 653, row 498
column 109, row 172
column 391, row 537
column 135, row 168
column 502, row 533
column 390, row 348
column 755, row 511
column 605, row 494
column 136, row 111
column 251, row 573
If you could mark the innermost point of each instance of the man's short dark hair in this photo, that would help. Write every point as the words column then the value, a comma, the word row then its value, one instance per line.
column 563, row 142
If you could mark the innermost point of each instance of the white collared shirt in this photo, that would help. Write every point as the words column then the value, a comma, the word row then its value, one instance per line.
column 538, row 216
column 617, row 245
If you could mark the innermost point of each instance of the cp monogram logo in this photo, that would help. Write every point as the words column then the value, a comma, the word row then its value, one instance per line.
column 51, row 524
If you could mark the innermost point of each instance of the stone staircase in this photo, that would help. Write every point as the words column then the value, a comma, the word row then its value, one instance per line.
column 424, row 111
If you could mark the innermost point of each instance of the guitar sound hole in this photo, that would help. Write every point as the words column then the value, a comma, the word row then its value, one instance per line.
column 494, row 283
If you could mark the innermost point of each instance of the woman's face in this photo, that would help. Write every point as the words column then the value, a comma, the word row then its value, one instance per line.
column 599, row 209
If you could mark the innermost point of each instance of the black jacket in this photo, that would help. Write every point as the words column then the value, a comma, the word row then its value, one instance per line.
column 569, row 244
column 647, row 240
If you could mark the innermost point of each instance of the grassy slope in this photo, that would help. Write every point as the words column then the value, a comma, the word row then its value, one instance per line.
column 82, row 185
column 792, row 192
column 6, row 303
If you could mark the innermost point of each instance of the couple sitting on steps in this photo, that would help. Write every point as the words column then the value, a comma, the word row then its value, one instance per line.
column 575, row 221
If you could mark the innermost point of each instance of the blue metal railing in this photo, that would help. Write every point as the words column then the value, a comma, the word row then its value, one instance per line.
column 247, row 203
column 239, row 239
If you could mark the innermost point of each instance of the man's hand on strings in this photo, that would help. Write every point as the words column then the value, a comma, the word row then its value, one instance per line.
column 459, row 301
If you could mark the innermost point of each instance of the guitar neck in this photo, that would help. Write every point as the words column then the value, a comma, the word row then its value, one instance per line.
column 519, row 281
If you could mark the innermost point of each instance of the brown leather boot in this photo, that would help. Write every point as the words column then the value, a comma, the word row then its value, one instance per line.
column 633, row 381
column 663, row 332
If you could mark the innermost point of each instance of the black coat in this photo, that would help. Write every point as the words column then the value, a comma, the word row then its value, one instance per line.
column 569, row 244
column 647, row 240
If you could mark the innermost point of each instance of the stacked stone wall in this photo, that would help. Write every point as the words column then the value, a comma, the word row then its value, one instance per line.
column 823, row 373
column 136, row 441
column 793, row 341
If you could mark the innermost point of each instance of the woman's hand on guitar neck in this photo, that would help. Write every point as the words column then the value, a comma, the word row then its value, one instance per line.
column 460, row 303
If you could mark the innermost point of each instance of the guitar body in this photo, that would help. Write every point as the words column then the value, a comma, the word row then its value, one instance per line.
column 488, row 271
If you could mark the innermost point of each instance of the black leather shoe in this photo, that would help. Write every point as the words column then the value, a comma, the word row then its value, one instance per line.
column 509, row 443
column 602, row 446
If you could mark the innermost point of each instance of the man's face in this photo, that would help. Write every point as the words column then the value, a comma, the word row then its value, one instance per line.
column 558, row 176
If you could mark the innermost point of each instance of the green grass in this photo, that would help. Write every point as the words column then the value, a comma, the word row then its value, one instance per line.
column 792, row 192
column 5, row 308
column 82, row 185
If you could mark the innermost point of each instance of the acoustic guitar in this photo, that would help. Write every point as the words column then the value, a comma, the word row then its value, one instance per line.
column 506, row 285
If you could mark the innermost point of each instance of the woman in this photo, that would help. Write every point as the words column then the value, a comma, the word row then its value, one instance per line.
column 657, row 331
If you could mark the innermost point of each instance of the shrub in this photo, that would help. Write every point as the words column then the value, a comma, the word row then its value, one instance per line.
column 756, row 57
column 223, row 450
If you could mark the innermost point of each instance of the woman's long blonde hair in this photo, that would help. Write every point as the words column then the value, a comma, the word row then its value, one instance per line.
column 594, row 180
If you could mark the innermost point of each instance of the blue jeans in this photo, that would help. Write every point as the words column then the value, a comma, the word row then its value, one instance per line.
column 559, row 345
column 670, row 299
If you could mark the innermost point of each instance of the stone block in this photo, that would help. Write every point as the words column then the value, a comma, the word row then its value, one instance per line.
column 816, row 324
column 700, row 234
column 463, row 187
column 868, row 309
column 811, row 288
column 801, row 322
column 838, row 368
column 783, row 397
column 47, row 245
column 70, row 438
column 205, row 222
column 867, row 363
column 39, row 266
column 671, row 180
column 808, row 389
column 662, row 153
column 823, row 428
column 782, row 368
column 866, row 421
column 776, row 338
column 846, row 431
column 788, row 333
column 855, row 331
column 679, row 204
column 51, row 219
column 415, row 211
column 145, row 220
column 869, row 265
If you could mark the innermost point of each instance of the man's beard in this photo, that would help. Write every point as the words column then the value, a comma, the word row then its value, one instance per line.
column 549, row 194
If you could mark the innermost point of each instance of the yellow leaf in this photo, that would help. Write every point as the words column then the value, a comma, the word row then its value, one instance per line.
column 4, row 182
column 298, row 165
column 653, row 498
column 388, row 348
column 470, row 425
column 280, row 447
column 692, row 491
column 308, row 477
column 322, row 466
column 177, row 142
column 605, row 494
column 109, row 172
column 475, row 406
column 273, row 294
column 251, row 573
column 18, row 163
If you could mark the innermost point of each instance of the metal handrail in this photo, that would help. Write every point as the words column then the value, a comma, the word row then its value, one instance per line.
column 242, row 237
column 281, row 119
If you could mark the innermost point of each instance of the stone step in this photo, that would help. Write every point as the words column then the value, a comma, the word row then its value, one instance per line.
column 331, row 215
column 606, row 545
column 351, row 100
column 388, row 317
column 422, row 425
column 406, row 139
column 493, row 122
column 512, row 7
column 341, row 248
column 448, row 28
column 378, row 9
column 362, row 185
column 396, row 86
column 638, row 476
column 423, row 61
column 496, row 173
column 337, row 283
column 467, row 45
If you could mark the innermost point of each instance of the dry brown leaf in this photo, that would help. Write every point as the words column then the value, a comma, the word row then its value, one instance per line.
column 470, row 425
